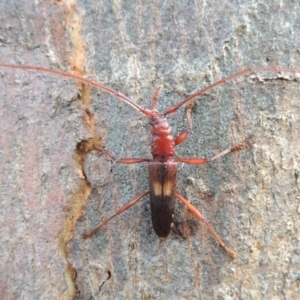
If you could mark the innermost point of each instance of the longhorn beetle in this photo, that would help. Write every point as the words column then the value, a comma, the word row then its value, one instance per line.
column 163, row 167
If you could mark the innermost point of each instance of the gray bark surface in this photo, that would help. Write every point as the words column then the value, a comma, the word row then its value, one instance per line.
column 53, row 189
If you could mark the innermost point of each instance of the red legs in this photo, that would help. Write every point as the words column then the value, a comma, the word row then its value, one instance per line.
column 183, row 135
column 192, row 209
column 155, row 97
column 235, row 147
column 200, row 161
column 129, row 204
column 197, row 214
column 121, row 210
column 196, row 161
column 129, row 161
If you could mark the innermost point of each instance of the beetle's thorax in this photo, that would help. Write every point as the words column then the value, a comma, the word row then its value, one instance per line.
column 162, row 146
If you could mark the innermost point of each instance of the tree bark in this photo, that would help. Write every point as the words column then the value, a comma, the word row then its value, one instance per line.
column 54, row 188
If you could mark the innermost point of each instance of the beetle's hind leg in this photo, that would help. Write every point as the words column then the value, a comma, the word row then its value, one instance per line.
column 120, row 211
column 197, row 214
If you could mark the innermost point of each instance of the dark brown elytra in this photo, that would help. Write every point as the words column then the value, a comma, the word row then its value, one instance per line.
column 163, row 167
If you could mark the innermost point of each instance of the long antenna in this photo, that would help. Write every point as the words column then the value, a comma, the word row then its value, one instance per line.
column 220, row 82
column 82, row 80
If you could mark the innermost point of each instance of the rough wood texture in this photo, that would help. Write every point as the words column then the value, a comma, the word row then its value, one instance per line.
column 48, row 181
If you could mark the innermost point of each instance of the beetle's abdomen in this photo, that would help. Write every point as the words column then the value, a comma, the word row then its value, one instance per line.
column 162, row 179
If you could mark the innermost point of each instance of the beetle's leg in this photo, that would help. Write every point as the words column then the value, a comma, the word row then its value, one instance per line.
column 235, row 147
column 193, row 161
column 197, row 214
column 183, row 135
column 129, row 161
column 155, row 97
column 86, row 147
column 121, row 210
column 200, row 161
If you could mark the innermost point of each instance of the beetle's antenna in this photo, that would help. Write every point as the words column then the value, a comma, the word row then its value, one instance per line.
column 230, row 78
column 82, row 80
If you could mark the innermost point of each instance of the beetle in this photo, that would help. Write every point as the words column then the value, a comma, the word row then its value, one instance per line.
column 163, row 167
